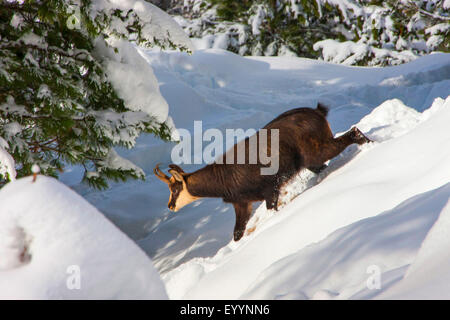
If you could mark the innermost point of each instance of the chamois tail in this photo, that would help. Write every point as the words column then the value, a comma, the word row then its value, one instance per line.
column 322, row 109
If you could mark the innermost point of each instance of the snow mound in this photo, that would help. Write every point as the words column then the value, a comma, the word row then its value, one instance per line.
column 342, row 262
column 393, row 118
column 429, row 275
column 55, row 245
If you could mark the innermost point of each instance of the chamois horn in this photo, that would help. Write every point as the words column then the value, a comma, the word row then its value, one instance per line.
column 160, row 175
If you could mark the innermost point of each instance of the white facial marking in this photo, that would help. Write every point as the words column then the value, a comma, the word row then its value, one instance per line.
column 184, row 198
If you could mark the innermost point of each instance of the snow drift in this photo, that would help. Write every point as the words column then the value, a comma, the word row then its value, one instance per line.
column 49, row 235
column 429, row 275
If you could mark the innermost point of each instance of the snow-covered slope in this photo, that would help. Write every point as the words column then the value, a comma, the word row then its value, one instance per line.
column 373, row 206
column 429, row 275
column 7, row 164
column 55, row 245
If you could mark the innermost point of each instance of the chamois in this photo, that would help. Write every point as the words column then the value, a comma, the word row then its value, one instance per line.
column 305, row 141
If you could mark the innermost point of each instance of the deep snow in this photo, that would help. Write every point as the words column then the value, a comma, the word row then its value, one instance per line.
column 373, row 206
column 55, row 245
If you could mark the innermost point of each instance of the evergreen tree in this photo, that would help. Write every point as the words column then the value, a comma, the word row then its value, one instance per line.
column 372, row 32
column 57, row 103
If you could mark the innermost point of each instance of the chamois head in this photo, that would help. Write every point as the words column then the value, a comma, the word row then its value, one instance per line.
column 179, row 194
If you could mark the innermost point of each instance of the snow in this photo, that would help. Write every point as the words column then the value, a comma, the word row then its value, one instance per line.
column 256, row 20
column 133, row 78
column 366, row 188
column 10, row 106
column 16, row 21
column 446, row 4
column 428, row 276
column 346, row 6
column 221, row 41
column 48, row 232
column 158, row 25
column 13, row 246
column 371, row 25
column 340, row 264
column 438, row 28
column 115, row 162
column 350, row 53
column 380, row 208
column 32, row 39
column 35, row 168
column 7, row 164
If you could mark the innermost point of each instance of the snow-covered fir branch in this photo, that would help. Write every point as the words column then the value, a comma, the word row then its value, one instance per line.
column 384, row 32
column 73, row 86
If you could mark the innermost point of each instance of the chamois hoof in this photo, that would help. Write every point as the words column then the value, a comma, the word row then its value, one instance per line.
column 358, row 137
column 238, row 235
column 272, row 206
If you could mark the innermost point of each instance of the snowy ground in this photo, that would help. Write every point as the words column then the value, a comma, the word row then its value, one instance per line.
column 372, row 209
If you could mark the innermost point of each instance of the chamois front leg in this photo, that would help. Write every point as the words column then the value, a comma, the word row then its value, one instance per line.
column 357, row 136
column 337, row 145
column 243, row 211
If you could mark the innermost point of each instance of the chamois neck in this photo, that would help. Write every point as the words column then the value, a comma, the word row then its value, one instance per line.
column 206, row 182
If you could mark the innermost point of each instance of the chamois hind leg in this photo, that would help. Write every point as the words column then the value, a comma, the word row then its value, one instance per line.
column 272, row 200
column 272, row 196
column 243, row 211
column 272, row 193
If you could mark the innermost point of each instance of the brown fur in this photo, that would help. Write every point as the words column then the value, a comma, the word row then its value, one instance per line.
column 305, row 141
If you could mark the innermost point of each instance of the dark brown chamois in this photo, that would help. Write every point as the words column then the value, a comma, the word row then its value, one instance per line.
column 305, row 141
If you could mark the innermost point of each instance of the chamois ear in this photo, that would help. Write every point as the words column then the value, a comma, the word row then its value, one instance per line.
column 176, row 168
column 176, row 175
